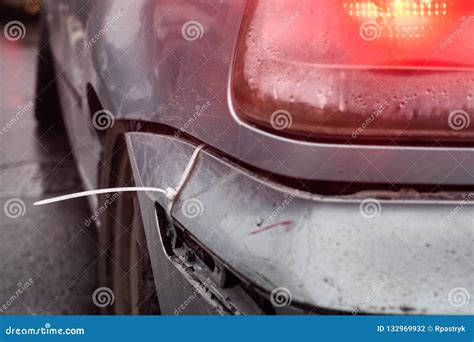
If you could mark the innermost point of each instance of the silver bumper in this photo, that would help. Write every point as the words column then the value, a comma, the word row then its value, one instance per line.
column 372, row 256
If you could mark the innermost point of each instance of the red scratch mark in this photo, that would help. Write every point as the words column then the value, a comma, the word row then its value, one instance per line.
column 259, row 230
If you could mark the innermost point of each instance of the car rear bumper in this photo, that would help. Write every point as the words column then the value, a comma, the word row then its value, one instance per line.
column 346, row 254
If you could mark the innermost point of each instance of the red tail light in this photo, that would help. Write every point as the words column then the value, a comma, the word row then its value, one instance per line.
column 369, row 69
column 404, row 19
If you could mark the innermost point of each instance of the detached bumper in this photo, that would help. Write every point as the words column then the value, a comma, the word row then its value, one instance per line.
column 387, row 256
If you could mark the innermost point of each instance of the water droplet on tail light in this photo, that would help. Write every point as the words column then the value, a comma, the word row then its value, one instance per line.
column 334, row 78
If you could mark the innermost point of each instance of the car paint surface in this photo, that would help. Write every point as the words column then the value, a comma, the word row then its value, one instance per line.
column 138, row 59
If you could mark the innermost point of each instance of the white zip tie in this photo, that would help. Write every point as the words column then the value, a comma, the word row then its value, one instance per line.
column 171, row 193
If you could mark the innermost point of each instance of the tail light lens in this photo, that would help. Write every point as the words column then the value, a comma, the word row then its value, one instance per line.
column 367, row 69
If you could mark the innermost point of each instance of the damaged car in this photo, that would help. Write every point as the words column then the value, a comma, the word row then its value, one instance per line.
column 317, row 156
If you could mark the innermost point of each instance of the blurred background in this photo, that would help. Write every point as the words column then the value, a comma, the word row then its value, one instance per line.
column 48, row 259
column 29, row 7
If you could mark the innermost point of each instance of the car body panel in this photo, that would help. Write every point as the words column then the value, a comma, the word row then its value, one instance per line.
column 135, row 58
column 329, row 255
column 143, row 68
column 73, row 72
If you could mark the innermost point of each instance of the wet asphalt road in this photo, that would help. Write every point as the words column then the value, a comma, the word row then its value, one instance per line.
column 46, row 252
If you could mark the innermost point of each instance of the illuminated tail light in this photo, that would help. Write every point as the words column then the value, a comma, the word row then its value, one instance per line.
column 367, row 69
column 401, row 18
